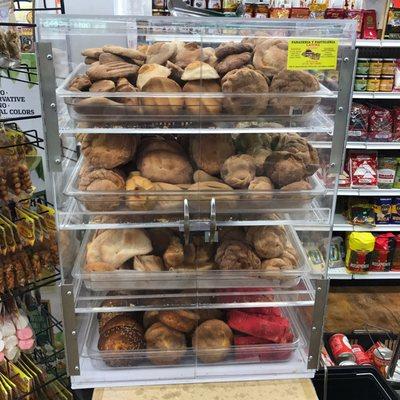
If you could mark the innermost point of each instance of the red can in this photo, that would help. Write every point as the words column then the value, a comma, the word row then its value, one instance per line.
column 341, row 348
column 360, row 355
column 382, row 356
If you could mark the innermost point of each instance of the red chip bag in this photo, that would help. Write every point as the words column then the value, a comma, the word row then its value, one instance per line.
column 363, row 169
column 382, row 255
column 396, row 124
column 369, row 30
column 380, row 124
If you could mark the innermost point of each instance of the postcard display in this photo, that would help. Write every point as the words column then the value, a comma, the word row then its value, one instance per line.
column 194, row 163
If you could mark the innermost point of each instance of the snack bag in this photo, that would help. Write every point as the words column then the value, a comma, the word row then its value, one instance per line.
column 382, row 255
column 360, row 212
column 359, row 122
column 396, row 183
column 380, row 124
column 369, row 26
column 383, row 210
column 396, row 124
column 386, row 172
column 24, row 331
column 357, row 15
column 395, row 211
column 363, row 169
column 359, row 248
column 336, row 253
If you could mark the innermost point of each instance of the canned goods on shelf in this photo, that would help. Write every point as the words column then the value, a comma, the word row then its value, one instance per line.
column 200, row 3
column 341, row 348
column 362, row 66
column 347, row 363
column 360, row 83
column 375, row 66
column 387, row 82
column 389, row 66
column 360, row 355
column 382, row 356
column 215, row 5
column 374, row 83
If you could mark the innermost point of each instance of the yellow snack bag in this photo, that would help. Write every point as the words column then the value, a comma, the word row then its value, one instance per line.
column 39, row 232
column 48, row 213
column 26, row 228
column 11, row 245
column 17, row 238
column 23, row 383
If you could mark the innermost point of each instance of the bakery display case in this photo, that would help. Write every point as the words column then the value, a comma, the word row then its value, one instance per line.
column 195, row 166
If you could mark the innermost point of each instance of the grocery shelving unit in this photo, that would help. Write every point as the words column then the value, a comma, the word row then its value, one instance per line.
column 304, row 215
column 340, row 222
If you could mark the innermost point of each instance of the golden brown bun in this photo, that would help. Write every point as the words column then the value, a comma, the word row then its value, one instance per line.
column 148, row 71
column 164, row 166
column 238, row 171
column 180, row 320
column 198, row 105
column 160, row 53
column 199, row 70
column 210, row 151
column 108, row 151
column 162, row 105
column 102, row 180
column 150, row 318
column 212, row 341
column 161, row 341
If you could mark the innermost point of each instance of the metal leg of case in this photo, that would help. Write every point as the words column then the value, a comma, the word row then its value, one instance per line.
column 70, row 329
column 342, row 113
column 317, row 329
column 47, row 79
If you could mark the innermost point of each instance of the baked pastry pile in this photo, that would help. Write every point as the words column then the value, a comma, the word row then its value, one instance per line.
column 263, row 248
column 196, row 163
column 244, row 71
column 166, row 337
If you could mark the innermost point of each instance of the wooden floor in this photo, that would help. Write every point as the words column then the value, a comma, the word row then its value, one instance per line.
column 352, row 308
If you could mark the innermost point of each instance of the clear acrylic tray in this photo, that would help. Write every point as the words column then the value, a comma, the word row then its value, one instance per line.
column 172, row 202
column 196, row 278
column 164, row 107
column 247, row 354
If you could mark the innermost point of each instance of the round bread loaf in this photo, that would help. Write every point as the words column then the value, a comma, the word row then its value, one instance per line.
column 165, row 346
column 121, row 339
column 212, row 341
column 180, row 320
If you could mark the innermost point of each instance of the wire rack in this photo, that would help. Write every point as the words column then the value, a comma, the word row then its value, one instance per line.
column 31, row 135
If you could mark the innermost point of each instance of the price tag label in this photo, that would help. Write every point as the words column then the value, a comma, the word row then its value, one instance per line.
column 312, row 54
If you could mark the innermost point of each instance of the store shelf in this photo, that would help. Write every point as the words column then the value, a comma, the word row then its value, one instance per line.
column 341, row 225
column 369, row 192
column 340, row 273
column 376, row 95
column 373, row 145
column 377, row 43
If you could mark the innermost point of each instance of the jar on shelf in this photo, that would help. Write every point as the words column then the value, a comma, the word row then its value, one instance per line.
column 387, row 82
column 360, row 83
column 388, row 66
column 374, row 83
column 362, row 66
column 375, row 66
